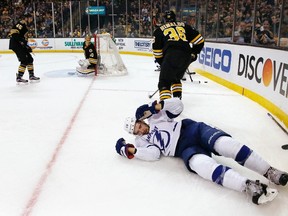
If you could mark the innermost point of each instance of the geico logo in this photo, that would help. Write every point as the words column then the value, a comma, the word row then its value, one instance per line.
column 216, row 58
column 266, row 71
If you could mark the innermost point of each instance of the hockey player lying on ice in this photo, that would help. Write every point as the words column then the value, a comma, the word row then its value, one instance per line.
column 195, row 142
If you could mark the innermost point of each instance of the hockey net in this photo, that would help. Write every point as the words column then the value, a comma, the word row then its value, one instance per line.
column 110, row 62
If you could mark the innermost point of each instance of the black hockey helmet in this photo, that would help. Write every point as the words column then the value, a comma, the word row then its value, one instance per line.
column 24, row 16
column 170, row 16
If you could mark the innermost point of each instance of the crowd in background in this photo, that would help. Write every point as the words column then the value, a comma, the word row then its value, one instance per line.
column 42, row 26
column 223, row 20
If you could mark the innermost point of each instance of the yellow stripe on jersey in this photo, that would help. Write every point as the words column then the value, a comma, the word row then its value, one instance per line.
column 201, row 41
column 197, row 40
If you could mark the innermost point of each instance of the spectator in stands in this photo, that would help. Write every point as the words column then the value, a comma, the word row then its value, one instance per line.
column 238, row 38
column 247, row 34
column 264, row 35
column 275, row 24
column 248, row 18
column 142, row 17
column 284, row 28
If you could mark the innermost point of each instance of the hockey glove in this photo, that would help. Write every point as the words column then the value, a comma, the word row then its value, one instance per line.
column 144, row 109
column 122, row 148
column 193, row 57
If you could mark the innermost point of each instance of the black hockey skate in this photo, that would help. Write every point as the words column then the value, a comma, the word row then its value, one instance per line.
column 260, row 192
column 158, row 69
column 20, row 80
column 276, row 176
column 34, row 79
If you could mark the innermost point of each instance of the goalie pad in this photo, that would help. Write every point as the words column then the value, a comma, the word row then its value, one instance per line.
column 84, row 63
column 83, row 70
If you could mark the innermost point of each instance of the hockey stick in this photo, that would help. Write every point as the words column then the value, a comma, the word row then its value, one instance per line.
column 150, row 96
column 285, row 146
column 192, row 73
column 282, row 128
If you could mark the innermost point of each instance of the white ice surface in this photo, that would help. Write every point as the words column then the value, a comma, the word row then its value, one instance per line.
column 57, row 145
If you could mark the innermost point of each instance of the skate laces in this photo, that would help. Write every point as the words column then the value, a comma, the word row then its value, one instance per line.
column 260, row 192
column 254, row 188
column 273, row 175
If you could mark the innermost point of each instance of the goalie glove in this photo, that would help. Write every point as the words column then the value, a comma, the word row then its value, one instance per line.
column 122, row 148
column 146, row 110
column 84, row 63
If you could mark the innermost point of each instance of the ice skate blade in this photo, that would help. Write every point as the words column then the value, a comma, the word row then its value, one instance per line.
column 22, row 83
column 34, row 81
column 271, row 194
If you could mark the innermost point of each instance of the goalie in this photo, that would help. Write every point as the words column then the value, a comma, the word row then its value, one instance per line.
column 88, row 65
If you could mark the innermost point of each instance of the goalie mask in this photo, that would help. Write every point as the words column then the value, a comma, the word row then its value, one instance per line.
column 129, row 124
column 170, row 16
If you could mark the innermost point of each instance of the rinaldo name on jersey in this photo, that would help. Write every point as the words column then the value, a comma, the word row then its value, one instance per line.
column 171, row 24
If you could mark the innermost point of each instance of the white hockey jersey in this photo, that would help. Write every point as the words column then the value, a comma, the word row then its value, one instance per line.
column 163, row 134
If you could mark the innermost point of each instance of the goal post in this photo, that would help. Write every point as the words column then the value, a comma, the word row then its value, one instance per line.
column 109, row 62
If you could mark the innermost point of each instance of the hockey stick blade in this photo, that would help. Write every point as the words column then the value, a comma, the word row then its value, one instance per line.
column 196, row 81
column 282, row 128
column 190, row 73
column 150, row 96
column 71, row 73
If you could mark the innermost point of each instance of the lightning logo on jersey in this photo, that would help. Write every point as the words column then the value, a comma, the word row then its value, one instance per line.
column 161, row 138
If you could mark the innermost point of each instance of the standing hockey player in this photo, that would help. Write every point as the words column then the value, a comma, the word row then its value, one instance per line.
column 195, row 142
column 19, row 45
column 176, row 45
column 89, row 64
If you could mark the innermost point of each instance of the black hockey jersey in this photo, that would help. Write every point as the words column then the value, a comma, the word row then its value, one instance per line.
column 177, row 35
column 17, row 36
column 89, row 51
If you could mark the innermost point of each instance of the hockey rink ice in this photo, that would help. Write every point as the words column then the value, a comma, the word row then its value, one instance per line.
column 57, row 145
